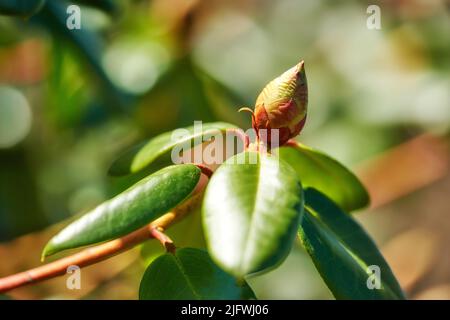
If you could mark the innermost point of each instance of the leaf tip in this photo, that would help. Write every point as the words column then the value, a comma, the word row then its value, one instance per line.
column 44, row 254
column 48, row 250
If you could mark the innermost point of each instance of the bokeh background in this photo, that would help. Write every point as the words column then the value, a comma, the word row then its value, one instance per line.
column 72, row 100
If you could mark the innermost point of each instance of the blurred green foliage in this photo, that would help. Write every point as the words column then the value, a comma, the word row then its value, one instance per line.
column 139, row 68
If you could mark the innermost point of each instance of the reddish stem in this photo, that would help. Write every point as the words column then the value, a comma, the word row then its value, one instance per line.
column 205, row 170
column 241, row 135
column 84, row 258
column 291, row 143
column 158, row 233
column 106, row 250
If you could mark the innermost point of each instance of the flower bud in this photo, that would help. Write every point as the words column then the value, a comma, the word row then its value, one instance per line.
column 282, row 105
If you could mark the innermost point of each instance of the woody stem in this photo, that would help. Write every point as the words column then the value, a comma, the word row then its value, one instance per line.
column 108, row 249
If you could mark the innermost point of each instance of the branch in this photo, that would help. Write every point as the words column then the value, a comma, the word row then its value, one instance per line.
column 108, row 249
column 205, row 170
column 157, row 232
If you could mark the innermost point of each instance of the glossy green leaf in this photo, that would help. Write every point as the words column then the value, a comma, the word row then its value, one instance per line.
column 135, row 207
column 158, row 149
column 316, row 169
column 343, row 252
column 252, row 208
column 20, row 7
column 189, row 274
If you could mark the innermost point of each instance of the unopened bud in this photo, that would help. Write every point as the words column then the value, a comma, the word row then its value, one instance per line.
column 282, row 105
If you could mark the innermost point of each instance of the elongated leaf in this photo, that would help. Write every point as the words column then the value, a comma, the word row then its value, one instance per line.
column 135, row 207
column 343, row 252
column 325, row 174
column 158, row 150
column 20, row 7
column 189, row 274
column 251, row 212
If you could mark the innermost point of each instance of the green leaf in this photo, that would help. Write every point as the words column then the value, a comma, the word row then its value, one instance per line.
column 158, row 149
column 252, row 208
column 342, row 251
column 316, row 169
column 135, row 207
column 24, row 8
column 189, row 274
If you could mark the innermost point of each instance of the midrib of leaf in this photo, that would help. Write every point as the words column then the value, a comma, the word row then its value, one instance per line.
column 255, row 202
column 185, row 275
column 343, row 244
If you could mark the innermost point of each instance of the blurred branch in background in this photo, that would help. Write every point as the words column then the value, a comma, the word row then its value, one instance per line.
column 24, row 8
column 406, row 168
column 53, row 17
